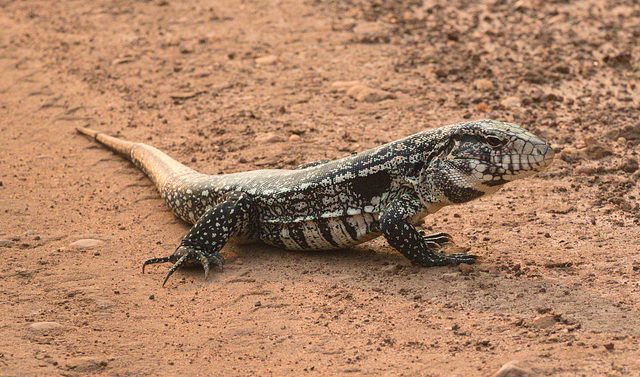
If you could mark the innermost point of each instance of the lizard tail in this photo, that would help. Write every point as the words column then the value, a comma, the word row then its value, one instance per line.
column 117, row 145
column 164, row 171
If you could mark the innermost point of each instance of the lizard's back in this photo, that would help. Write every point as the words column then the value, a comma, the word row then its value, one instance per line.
column 327, row 206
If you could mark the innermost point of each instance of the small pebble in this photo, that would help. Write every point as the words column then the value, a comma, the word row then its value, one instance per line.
column 588, row 169
column 183, row 96
column 294, row 138
column 465, row 269
column 122, row 60
column 23, row 272
column 267, row 60
column 6, row 243
column 346, row 24
column 103, row 303
column 450, row 275
column 391, row 269
column 483, row 85
column 561, row 208
column 621, row 140
column 363, row 93
column 514, row 368
column 86, row 364
column 372, row 32
column 268, row 137
column 186, row 48
column 628, row 165
column 45, row 326
column 596, row 152
column 590, row 141
column 343, row 86
column 511, row 102
column 86, row 243
column 544, row 321
column 609, row 346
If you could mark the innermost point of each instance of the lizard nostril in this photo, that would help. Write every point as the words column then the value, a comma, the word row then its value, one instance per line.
column 542, row 150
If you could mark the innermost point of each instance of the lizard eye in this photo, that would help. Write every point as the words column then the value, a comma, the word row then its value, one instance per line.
column 494, row 141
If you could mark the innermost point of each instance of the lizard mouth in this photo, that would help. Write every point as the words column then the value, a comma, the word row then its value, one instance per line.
column 537, row 159
column 496, row 170
column 539, row 156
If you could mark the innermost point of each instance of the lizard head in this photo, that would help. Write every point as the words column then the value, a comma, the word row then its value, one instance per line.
column 495, row 152
column 481, row 156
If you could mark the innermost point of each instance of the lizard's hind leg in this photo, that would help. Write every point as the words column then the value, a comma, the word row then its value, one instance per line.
column 203, row 242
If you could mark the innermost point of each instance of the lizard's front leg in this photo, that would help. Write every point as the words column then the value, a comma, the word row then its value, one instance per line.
column 413, row 244
column 203, row 242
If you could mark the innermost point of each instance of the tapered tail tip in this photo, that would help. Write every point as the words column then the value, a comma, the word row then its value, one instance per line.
column 87, row 131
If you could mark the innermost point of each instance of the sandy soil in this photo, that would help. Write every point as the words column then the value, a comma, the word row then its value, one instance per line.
column 224, row 87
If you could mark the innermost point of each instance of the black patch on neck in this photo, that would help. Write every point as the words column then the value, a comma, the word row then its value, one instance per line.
column 371, row 185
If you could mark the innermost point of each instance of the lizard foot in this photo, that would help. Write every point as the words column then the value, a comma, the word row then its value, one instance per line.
column 187, row 255
column 434, row 259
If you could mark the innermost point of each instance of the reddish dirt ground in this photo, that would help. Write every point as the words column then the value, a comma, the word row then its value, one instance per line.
column 234, row 86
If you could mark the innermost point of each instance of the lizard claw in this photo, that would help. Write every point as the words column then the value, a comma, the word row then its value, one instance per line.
column 207, row 259
column 437, row 240
column 187, row 255
column 154, row 261
column 173, row 268
column 462, row 258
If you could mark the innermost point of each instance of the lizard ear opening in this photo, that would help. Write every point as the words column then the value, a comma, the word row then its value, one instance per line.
column 429, row 157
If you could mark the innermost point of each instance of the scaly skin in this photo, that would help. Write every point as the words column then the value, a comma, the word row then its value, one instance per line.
column 337, row 204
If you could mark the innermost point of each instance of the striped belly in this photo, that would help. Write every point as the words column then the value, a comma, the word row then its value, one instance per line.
column 321, row 234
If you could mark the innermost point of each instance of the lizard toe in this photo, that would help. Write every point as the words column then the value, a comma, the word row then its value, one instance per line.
column 154, row 261
column 440, row 239
column 462, row 258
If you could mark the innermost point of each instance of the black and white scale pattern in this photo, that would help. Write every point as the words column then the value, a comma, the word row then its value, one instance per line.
column 336, row 204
